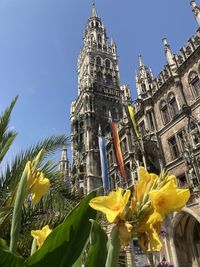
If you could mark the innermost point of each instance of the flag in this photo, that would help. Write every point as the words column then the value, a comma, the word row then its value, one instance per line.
column 118, row 150
column 131, row 113
column 104, row 163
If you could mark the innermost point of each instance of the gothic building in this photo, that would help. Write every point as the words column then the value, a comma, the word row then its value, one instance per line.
column 100, row 99
column 167, row 112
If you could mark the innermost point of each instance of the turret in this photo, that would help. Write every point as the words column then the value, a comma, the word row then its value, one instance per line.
column 144, row 78
column 169, row 55
column 195, row 10
column 64, row 165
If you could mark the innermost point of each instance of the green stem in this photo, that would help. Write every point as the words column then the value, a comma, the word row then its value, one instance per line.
column 34, row 246
column 113, row 248
column 17, row 212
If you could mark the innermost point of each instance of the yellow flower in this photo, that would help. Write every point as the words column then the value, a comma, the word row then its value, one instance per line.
column 41, row 235
column 168, row 199
column 149, row 240
column 113, row 205
column 142, row 187
column 125, row 233
column 38, row 185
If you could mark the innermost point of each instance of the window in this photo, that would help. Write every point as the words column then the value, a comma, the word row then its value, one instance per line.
column 142, row 129
column 99, row 77
column 98, row 60
column 109, row 80
column 124, row 145
column 150, row 121
column 196, row 86
column 107, row 62
column 194, row 130
column 182, row 139
column 115, row 114
column 91, row 103
column 110, row 158
column 173, row 105
column 173, row 148
column 195, row 83
column 99, row 38
column 128, row 171
column 182, row 181
column 143, row 86
column 164, row 112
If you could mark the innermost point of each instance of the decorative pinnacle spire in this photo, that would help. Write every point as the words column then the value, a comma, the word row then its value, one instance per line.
column 141, row 63
column 195, row 10
column 168, row 52
column 64, row 153
column 94, row 13
column 193, row 3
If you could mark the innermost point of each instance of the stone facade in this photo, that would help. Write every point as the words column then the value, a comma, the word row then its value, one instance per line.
column 167, row 112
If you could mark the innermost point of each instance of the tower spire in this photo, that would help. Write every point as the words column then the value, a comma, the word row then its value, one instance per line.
column 195, row 10
column 141, row 62
column 94, row 13
column 168, row 52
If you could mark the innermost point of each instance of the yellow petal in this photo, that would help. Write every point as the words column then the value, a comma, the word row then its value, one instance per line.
column 113, row 205
column 39, row 188
column 41, row 235
column 149, row 240
column 125, row 234
column 169, row 198
column 145, row 181
column 154, row 241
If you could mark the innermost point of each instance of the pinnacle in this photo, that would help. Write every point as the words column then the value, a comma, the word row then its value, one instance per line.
column 94, row 13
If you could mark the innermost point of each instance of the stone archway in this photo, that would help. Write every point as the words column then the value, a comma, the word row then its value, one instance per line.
column 187, row 239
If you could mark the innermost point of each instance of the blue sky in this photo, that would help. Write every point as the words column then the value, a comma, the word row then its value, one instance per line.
column 39, row 45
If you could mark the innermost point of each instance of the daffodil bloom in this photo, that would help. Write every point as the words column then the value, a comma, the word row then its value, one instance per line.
column 38, row 185
column 41, row 235
column 113, row 205
column 168, row 199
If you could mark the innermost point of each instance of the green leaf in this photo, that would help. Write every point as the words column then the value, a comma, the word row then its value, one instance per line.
column 113, row 248
column 8, row 259
column 98, row 251
column 64, row 245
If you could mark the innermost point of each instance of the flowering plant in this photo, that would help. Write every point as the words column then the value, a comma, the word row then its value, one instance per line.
column 140, row 213
column 144, row 212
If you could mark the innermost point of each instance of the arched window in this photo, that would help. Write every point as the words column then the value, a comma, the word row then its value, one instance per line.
column 86, row 103
column 107, row 63
column 173, row 104
column 99, row 39
column 115, row 114
column 109, row 79
column 164, row 112
column 143, row 87
column 98, row 60
column 194, row 82
column 99, row 76
column 92, row 38
column 105, row 112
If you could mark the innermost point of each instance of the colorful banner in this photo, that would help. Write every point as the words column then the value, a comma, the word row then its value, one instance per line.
column 131, row 112
column 104, row 163
column 118, row 150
